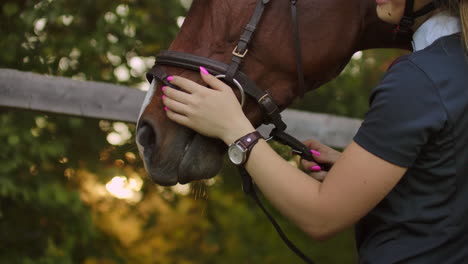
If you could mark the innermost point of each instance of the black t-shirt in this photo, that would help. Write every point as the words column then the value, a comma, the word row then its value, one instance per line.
column 418, row 119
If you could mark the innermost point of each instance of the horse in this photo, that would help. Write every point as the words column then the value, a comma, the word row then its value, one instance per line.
column 331, row 32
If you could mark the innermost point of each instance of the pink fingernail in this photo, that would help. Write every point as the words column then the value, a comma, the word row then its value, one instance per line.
column 316, row 153
column 164, row 96
column 164, row 88
column 315, row 168
column 166, row 108
column 203, row 70
column 170, row 78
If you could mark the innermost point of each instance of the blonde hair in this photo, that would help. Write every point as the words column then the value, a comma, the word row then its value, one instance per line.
column 460, row 8
column 463, row 12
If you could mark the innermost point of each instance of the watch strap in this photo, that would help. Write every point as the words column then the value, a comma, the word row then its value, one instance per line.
column 249, row 140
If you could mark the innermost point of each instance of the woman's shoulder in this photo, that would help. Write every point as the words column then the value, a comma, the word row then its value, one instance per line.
column 404, row 76
column 438, row 72
column 445, row 58
column 444, row 64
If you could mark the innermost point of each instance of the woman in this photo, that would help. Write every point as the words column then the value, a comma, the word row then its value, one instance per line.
column 404, row 179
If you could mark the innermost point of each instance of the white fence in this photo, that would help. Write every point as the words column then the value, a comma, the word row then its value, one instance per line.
column 99, row 100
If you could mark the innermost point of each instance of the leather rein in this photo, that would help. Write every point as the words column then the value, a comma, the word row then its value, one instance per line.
column 231, row 74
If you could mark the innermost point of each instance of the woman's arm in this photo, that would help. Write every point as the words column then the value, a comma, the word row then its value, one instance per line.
column 356, row 183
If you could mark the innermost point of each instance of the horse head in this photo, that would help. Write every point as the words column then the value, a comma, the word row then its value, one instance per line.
column 331, row 32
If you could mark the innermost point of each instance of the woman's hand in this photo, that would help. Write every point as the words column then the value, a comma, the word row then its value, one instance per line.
column 322, row 154
column 212, row 112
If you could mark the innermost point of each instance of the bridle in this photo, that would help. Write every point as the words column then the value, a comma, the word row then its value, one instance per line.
column 231, row 74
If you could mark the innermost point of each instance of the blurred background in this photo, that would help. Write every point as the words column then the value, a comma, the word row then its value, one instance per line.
column 74, row 190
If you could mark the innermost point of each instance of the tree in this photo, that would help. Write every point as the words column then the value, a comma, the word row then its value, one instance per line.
column 74, row 190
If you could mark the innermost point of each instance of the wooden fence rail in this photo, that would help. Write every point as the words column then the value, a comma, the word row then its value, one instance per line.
column 66, row 96
column 99, row 100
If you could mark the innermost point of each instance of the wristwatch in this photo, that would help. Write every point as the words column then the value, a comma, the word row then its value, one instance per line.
column 239, row 151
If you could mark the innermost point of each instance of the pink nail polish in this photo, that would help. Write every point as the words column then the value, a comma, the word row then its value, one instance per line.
column 164, row 88
column 203, row 70
column 316, row 153
column 164, row 96
column 170, row 78
column 166, row 108
column 315, row 168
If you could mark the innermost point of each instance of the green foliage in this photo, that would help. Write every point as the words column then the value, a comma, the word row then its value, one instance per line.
column 348, row 94
column 54, row 203
column 84, row 39
column 43, row 218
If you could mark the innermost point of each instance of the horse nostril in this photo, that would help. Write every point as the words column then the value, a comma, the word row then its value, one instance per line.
column 146, row 136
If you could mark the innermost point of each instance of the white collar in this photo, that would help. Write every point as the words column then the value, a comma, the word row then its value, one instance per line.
column 440, row 25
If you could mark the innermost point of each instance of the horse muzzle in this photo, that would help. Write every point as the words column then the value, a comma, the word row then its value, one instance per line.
column 179, row 157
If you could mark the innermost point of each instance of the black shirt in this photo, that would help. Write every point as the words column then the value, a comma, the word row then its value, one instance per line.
column 418, row 119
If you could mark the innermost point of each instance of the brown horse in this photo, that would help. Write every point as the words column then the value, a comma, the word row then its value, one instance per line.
column 331, row 32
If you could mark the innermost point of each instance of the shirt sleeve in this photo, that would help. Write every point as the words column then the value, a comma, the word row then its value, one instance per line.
column 405, row 110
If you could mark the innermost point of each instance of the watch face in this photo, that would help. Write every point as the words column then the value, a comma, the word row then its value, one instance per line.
column 236, row 154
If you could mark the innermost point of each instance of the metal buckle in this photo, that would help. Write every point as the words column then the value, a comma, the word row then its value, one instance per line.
column 260, row 101
column 238, row 85
column 237, row 54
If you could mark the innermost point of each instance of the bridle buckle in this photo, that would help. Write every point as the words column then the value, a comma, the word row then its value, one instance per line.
column 238, row 54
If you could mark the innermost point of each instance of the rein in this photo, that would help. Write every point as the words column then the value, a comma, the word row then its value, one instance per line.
column 232, row 75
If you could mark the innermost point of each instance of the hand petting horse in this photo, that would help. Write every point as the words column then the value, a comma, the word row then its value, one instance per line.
column 331, row 32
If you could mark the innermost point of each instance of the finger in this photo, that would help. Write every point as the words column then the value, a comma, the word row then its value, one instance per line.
column 179, row 96
column 325, row 157
column 307, row 164
column 176, row 106
column 178, row 118
column 314, row 144
column 318, row 157
column 315, row 168
column 212, row 81
column 315, row 152
column 311, row 167
column 319, row 176
column 320, row 152
column 185, row 84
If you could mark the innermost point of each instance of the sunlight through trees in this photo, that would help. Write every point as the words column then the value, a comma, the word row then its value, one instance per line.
column 74, row 190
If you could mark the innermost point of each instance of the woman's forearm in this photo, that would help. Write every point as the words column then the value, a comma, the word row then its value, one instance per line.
column 292, row 192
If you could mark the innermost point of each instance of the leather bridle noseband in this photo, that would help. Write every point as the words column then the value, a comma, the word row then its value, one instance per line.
column 232, row 75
